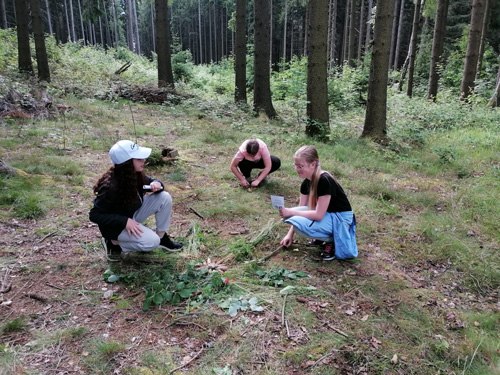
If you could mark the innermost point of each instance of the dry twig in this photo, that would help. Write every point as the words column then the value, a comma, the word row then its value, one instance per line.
column 188, row 362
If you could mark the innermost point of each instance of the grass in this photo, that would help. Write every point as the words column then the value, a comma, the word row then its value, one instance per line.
column 427, row 211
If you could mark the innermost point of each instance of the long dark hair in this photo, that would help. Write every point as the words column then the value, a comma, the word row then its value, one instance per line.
column 122, row 180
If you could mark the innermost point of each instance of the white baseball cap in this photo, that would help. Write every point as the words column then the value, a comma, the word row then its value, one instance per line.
column 125, row 150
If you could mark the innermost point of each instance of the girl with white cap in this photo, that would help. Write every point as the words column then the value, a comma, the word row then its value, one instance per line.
column 125, row 198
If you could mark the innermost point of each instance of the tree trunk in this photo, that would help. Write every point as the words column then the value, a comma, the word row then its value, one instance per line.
column 165, row 75
column 473, row 45
column 4, row 14
column 394, row 32
column 49, row 17
column 240, row 63
column 23, row 37
column 130, row 34
column 413, row 48
column 285, row 21
column 345, row 39
column 368, row 25
column 397, row 52
column 375, row 126
column 361, row 25
column 136, row 28
column 115, row 23
column 262, row 87
column 437, row 48
column 495, row 98
column 72, row 20
column 332, row 25
column 41, row 52
column 317, row 92
column 484, row 31
column 199, row 33
column 81, row 23
column 352, row 32
column 66, row 10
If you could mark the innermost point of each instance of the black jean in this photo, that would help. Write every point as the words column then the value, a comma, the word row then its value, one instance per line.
column 246, row 166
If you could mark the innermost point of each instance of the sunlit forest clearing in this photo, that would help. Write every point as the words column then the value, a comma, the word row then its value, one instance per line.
column 421, row 298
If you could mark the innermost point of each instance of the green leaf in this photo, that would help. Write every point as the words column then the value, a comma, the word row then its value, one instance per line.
column 185, row 293
column 233, row 310
column 113, row 278
column 287, row 290
column 157, row 299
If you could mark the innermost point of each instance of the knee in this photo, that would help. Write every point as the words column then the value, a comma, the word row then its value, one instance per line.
column 150, row 243
column 166, row 198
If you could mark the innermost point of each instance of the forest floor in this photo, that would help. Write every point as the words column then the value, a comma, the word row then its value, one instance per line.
column 391, row 311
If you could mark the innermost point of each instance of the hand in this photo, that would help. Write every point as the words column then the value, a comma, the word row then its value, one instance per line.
column 255, row 183
column 155, row 186
column 133, row 228
column 284, row 212
column 286, row 241
column 244, row 182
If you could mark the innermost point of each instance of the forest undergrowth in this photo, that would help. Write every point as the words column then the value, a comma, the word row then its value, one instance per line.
column 422, row 298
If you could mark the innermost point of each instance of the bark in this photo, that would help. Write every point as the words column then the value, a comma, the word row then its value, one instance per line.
column 39, row 35
column 494, row 101
column 345, row 39
column 240, row 93
column 82, row 26
column 394, row 31
column 473, row 45
column 413, row 48
column 484, row 31
column 115, row 23
column 262, row 88
column 285, row 21
column 165, row 74
column 72, row 20
column 397, row 52
column 136, row 28
column 317, row 92
column 375, row 126
column 4, row 14
column 368, row 25
column 352, row 32
column 68, row 28
column 199, row 33
column 23, row 37
column 437, row 48
column 361, row 31
column 49, row 17
column 332, row 25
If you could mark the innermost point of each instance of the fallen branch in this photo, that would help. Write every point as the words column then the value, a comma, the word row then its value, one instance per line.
column 269, row 256
column 337, row 330
column 188, row 362
column 36, row 297
column 196, row 213
column 283, row 310
column 124, row 67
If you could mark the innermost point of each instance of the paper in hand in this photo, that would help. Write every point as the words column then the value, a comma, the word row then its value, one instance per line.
column 277, row 201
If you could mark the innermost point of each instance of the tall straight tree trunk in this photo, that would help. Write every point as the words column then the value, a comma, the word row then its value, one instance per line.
column 397, row 52
column 23, row 37
column 115, row 24
column 200, row 32
column 107, row 25
column 285, row 21
column 413, row 48
column 473, row 46
column 368, row 36
column 484, row 31
column 66, row 10
column 306, row 27
column 345, row 39
column 375, row 126
column 332, row 25
column 216, row 40
column 4, row 14
column 136, row 28
column 165, row 74
column 39, row 35
column 153, row 26
column 317, row 92
column 72, row 20
column 437, row 47
column 49, row 17
column 240, row 60
column 352, row 32
column 210, row 35
column 262, row 101
column 394, row 32
column 82, row 24
column 130, row 34
column 361, row 25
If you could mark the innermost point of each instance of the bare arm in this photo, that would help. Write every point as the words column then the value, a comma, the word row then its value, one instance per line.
column 237, row 173
column 317, row 214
